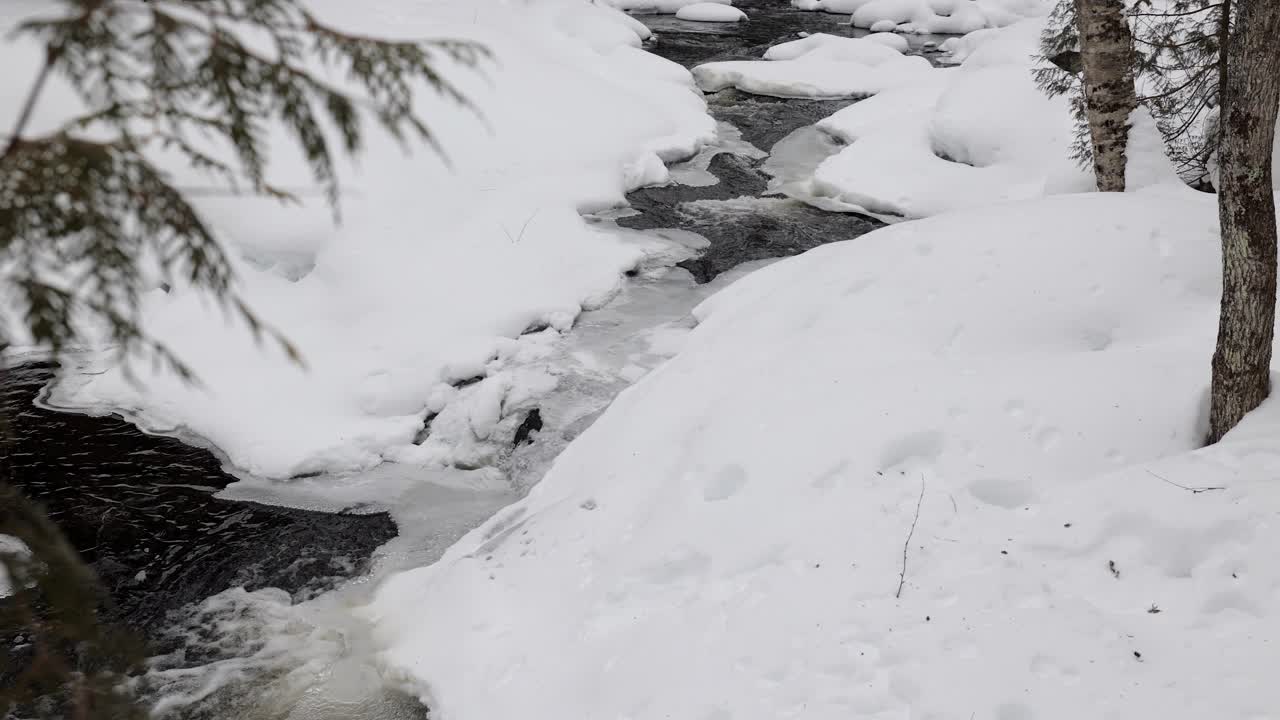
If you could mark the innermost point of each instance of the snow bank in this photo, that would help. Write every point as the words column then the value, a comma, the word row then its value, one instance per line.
column 956, row 137
column 818, row 66
column 931, row 16
column 434, row 269
column 726, row 541
column 710, row 12
column 665, row 7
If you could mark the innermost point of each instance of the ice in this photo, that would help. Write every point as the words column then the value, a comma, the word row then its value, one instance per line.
column 694, row 171
column 727, row 539
column 710, row 12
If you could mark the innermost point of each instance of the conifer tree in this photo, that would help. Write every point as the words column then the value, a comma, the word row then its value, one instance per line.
column 89, row 221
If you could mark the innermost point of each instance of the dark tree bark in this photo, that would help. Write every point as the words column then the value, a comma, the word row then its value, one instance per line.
column 1106, row 56
column 1247, row 212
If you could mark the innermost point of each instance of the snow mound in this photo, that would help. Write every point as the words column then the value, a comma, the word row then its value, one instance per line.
column 660, row 7
column 888, row 39
column 710, row 12
column 931, row 16
column 817, row 66
column 958, row 49
column 435, row 270
column 955, row 137
column 1016, row 389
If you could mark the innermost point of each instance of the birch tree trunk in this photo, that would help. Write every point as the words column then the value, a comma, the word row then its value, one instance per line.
column 1247, row 213
column 1106, row 54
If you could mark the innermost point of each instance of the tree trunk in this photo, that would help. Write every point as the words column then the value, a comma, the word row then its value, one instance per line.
column 1247, row 212
column 1106, row 53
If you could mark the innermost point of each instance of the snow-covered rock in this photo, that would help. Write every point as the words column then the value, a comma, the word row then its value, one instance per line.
column 710, row 12
column 663, row 7
column 931, row 16
column 888, row 39
column 820, row 65
column 993, row 411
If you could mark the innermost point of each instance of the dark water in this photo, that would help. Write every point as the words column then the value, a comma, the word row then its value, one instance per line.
column 140, row 509
column 744, row 231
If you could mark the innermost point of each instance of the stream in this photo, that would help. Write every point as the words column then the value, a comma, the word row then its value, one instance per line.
column 244, row 589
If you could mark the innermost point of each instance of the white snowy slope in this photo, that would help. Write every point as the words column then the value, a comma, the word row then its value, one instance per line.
column 435, row 267
column 955, row 137
column 710, row 12
column 931, row 16
column 1022, row 384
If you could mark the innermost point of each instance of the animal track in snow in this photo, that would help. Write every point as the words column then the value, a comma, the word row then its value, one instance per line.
column 1008, row 493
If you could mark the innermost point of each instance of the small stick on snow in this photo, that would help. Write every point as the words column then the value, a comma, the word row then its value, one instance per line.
column 902, row 576
column 1192, row 490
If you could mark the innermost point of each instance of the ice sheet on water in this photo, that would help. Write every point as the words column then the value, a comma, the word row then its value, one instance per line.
column 795, row 157
column 693, row 172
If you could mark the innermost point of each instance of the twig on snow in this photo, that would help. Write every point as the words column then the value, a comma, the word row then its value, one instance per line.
column 1192, row 490
column 902, row 576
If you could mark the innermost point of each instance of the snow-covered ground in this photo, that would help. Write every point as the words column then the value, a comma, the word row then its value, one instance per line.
column 727, row 540
column 435, row 269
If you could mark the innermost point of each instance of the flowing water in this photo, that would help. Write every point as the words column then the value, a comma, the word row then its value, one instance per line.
column 248, row 591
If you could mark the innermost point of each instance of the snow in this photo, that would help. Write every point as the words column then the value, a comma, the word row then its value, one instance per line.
column 665, row 7
column 12, row 546
column 726, row 541
column 817, row 66
column 953, row 138
column 927, row 140
column 436, row 269
column 958, row 49
column 931, row 16
column 710, row 12
column 888, row 39
column 948, row 469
